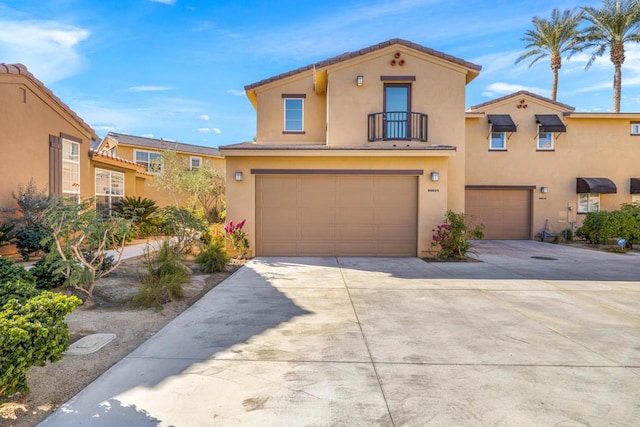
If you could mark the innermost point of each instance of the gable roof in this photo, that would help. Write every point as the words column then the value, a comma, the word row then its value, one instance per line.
column 349, row 55
column 521, row 93
column 20, row 69
column 161, row 144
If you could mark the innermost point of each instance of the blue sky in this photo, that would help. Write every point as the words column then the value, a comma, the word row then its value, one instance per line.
column 176, row 69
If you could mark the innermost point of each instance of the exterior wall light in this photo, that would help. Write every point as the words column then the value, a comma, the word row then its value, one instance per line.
column 239, row 176
column 435, row 176
column 360, row 80
column 544, row 189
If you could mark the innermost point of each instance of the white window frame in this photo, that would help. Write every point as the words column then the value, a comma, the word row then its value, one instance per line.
column 550, row 139
column 74, row 190
column 109, row 193
column 589, row 198
column 503, row 140
column 285, row 101
column 635, row 128
column 191, row 159
column 147, row 163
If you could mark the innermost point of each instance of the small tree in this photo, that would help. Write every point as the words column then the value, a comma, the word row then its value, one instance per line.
column 81, row 236
column 453, row 236
column 237, row 237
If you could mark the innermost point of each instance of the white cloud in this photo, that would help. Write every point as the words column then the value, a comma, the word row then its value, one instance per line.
column 50, row 50
column 205, row 117
column 210, row 130
column 148, row 135
column 149, row 88
column 167, row 2
column 501, row 88
column 236, row 92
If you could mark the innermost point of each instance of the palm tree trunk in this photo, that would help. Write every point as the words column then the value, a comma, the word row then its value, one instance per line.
column 617, row 88
column 554, row 85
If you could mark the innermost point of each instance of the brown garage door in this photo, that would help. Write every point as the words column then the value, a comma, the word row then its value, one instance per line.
column 506, row 213
column 328, row 215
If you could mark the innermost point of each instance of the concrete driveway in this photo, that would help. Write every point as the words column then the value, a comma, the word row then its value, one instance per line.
column 512, row 340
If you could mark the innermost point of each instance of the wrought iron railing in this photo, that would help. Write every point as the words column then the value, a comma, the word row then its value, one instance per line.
column 393, row 125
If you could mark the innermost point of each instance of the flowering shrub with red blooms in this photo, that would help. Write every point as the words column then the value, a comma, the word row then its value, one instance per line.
column 453, row 236
column 237, row 237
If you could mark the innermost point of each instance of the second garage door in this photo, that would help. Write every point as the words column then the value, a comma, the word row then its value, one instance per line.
column 336, row 215
column 505, row 213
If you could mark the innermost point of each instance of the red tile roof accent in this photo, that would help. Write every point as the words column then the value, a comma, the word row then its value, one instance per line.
column 126, row 163
column 520, row 93
column 349, row 55
column 20, row 69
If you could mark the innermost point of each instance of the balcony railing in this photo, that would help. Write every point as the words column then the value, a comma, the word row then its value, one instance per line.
column 394, row 125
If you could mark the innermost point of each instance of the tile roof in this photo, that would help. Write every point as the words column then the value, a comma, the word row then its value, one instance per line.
column 161, row 144
column 520, row 93
column 20, row 69
column 354, row 54
column 124, row 162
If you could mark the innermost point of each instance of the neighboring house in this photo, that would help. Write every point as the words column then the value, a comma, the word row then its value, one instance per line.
column 44, row 140
column 147, row 152
column 360, row 154
column 533, row 162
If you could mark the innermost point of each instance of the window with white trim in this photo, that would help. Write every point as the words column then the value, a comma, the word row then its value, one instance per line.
column 109, row 189
column 545, row 140
column 294, row 115
column 588, row 202
column 195, row 163
column 635, row 128
column 498, row 141
column 70, row 168
column 152, row 161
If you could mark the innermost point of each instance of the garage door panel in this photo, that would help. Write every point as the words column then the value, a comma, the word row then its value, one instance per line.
column 337, row 215
column 505, row 213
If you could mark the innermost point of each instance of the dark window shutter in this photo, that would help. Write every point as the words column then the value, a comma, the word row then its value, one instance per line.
column 55, row 165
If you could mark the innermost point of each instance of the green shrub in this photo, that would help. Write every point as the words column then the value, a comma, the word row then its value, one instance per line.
column 49, row 271
column 32, row 332
column 140, row 211
column 598, row 227
column 29, row 240
column 17, row 289
column 183, row 225
column 9, row 271
column 213, row 258
column 453, row 236
column 164, row 278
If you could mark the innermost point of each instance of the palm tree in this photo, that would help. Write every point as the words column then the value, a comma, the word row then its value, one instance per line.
column 553, row 39
column 611, row 27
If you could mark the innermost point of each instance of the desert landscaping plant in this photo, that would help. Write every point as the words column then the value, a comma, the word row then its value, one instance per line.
column 81, row 236
column 141, row 211
column 10, row 271
column 32, row 332
column 185, row 226
column 454, row 234
column 31, row 229
column 237, row 238
column 213, row 257
column 163, row 280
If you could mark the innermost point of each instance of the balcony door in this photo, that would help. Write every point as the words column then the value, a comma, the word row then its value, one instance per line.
column 397, row 108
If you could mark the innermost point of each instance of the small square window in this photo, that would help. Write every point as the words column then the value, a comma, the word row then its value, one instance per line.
column 293, row 115
column 196, row 163
column 588, row 202
column 545, row 140
column 498, row 141
column 635, row 128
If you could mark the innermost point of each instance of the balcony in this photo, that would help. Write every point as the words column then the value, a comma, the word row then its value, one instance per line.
column 397, row 125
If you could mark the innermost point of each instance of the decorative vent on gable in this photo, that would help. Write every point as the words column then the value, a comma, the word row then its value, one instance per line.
column 397, row 60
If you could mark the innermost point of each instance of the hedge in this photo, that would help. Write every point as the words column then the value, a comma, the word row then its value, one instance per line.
column 598, row 227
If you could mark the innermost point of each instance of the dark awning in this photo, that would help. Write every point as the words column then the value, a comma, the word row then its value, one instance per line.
column 634, row 187
column 550, row 123
column 501, row 123
column 595, row 185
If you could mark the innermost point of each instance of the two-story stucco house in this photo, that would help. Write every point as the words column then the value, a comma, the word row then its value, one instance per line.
column 360, row 154
column 534, row 163
column 44, row 140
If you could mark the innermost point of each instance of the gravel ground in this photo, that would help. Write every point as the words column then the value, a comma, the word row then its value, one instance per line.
column 55, row 383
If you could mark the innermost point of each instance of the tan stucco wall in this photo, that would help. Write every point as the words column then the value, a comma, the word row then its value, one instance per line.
column 591, row 147
column 27, row 118
column 432, row 197
column 162, row 198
